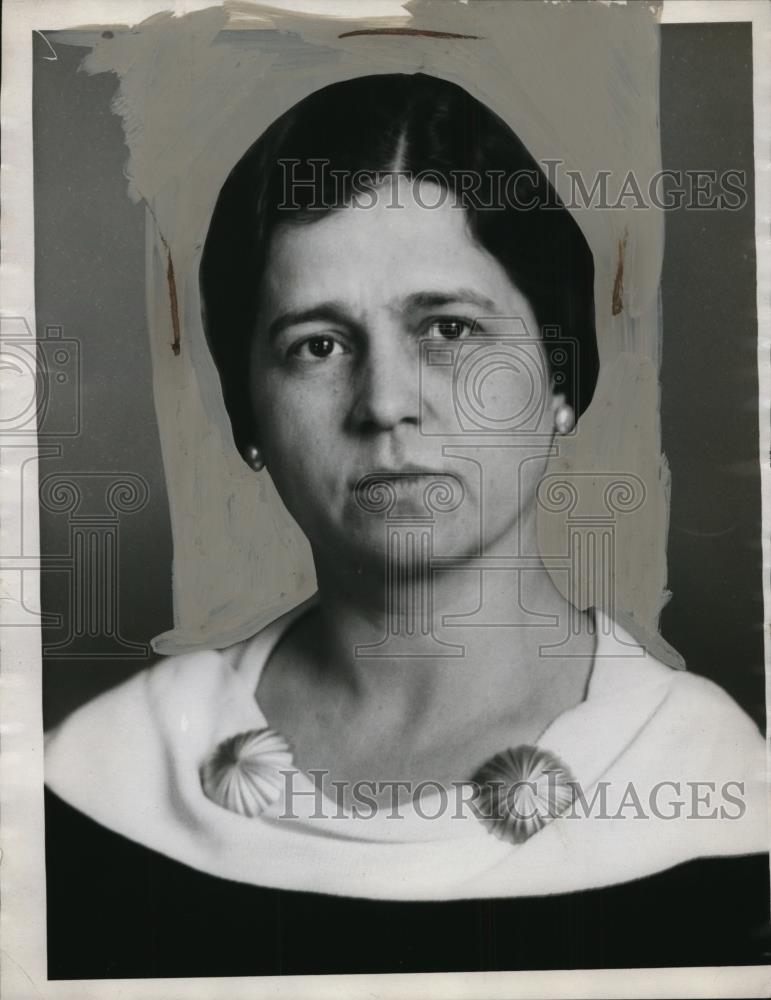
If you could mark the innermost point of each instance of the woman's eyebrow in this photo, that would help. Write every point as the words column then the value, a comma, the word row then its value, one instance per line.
column 433, row 300
column 336, row 312
column 325, row 312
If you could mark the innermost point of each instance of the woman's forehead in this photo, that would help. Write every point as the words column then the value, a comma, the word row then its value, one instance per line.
column 397, row 255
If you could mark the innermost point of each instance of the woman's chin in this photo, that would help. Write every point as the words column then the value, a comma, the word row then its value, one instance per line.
column 405, row 545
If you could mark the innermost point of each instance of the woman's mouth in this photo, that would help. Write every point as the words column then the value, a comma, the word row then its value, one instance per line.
column 380, row 490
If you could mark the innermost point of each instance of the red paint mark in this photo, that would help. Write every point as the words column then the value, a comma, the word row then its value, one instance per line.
column 172, row 283
column 617, row 302
column 406, row 31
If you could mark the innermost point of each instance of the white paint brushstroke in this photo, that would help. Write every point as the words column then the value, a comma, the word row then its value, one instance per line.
column 190, row 107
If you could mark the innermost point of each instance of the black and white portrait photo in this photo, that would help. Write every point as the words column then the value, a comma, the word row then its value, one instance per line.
column 385, row 487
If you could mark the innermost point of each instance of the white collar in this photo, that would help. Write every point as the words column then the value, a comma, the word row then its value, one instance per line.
column 130, row 760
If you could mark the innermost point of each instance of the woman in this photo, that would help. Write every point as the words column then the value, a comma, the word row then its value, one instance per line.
column 377, row 280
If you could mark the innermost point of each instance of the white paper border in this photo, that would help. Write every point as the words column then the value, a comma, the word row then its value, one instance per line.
column 22, row 871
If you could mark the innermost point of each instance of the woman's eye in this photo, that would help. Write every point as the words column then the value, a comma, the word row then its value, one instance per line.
column 449, row 329
column 318, row 348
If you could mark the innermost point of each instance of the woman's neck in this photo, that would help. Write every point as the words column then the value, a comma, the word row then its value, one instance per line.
column 451, row 643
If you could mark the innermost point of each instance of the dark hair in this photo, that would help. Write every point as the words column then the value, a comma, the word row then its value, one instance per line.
column 412, row 123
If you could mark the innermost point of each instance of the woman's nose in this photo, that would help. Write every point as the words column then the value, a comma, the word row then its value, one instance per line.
column 388, row 391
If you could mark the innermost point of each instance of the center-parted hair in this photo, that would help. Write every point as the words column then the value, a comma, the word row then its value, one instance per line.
column 420, row 126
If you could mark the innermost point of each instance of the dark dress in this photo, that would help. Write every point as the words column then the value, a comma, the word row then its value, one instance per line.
column 119, row 910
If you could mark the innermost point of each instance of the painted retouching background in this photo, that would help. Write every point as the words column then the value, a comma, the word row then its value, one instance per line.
column 577, row 84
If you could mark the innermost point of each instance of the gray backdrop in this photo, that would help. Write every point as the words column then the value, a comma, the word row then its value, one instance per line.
column 89, row 242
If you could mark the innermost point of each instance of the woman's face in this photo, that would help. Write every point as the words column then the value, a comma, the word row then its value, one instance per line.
column 389, row 343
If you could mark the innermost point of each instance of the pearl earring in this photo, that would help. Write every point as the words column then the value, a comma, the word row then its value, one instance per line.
column 564, row 419
column 253, row 457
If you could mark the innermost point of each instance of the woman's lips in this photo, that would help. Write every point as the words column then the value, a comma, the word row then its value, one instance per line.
column 379, row 490
column 402, row 472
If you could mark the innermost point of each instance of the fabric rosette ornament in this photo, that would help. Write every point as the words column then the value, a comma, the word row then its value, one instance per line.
column 244, row 772
column 520, row 790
